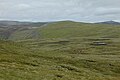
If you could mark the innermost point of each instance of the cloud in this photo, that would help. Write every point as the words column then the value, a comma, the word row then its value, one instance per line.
column 108, row 11
column 23, row 6
column 50, row 10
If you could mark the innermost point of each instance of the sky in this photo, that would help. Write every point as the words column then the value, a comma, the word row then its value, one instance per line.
column 57, row 10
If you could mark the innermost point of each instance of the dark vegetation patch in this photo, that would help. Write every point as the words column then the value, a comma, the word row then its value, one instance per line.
column 56, row 42
column 59, row 76
column 98, row 39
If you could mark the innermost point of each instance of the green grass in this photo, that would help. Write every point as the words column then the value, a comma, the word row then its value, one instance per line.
column 73, row 29
column 63, row 29
column 24, row 34
column 23, row 63
column 63, row 51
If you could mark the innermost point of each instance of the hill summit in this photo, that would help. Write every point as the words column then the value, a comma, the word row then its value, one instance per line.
column 110, row 22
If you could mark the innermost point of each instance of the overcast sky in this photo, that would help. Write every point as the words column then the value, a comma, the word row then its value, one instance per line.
column 52, row 10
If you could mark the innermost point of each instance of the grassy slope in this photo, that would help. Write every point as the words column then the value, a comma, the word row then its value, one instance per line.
column 64, row 53
column 68, row 29
column 20, row 62
column 24, row 34
column 19, row 30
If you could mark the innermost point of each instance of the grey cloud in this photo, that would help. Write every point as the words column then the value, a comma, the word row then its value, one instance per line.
column 50, row 10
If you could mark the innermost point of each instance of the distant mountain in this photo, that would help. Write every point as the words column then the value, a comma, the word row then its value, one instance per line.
column 20, row 24
column 61, row 29
column 110, row 22
column 10, row 28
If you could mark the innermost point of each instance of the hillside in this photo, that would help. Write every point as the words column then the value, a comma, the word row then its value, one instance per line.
column 10, row 28
column 62, row 29
column 64, row 50
column 22, row 24
column 110, row 22
column 66, row 29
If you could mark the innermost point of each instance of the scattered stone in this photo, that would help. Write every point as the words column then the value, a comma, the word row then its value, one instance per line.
column 98, row 43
